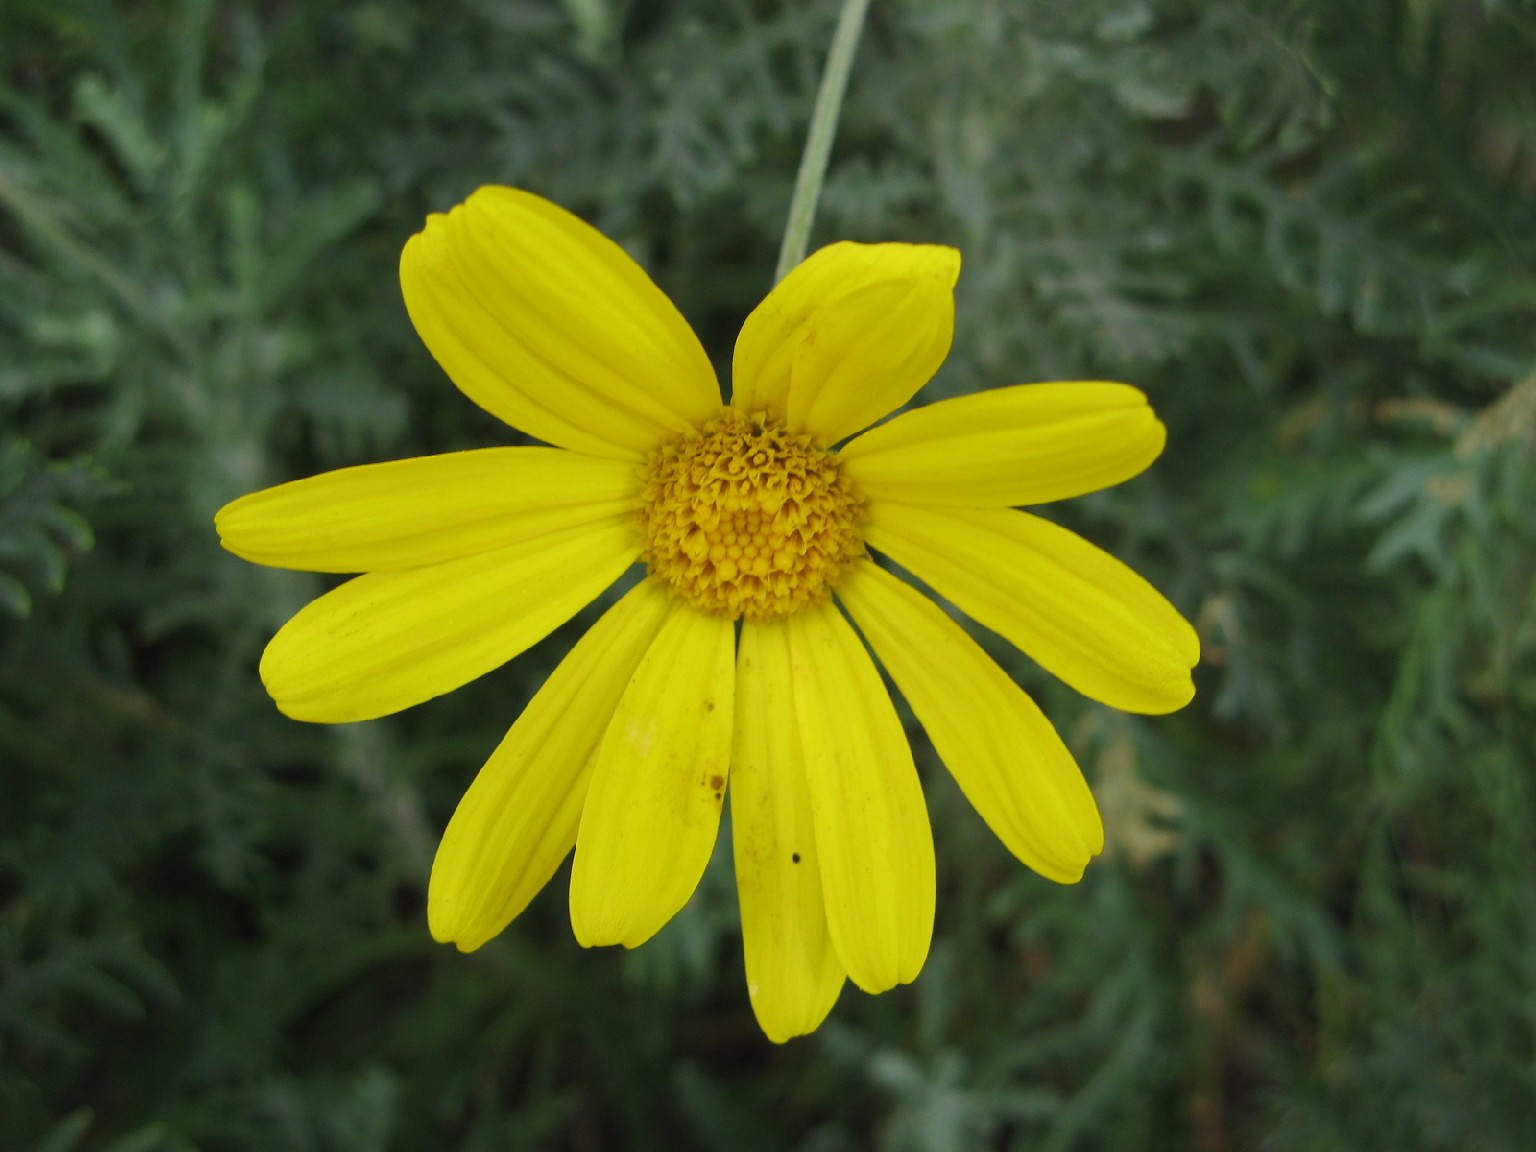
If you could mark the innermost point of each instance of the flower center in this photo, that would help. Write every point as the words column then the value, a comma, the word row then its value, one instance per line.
column 745, row 518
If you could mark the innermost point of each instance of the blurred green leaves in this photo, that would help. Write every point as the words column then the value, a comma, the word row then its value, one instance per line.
column 40, row 531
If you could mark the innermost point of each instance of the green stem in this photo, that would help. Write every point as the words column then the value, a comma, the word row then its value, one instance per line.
column 818, row 142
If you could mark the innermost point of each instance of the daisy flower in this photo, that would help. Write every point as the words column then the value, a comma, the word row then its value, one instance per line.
column 741, row 660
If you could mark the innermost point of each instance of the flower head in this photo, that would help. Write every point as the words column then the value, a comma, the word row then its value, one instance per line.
column 747, row 519
column 734, row 664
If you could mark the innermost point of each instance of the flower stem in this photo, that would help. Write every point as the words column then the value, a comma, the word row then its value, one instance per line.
column 818, row 142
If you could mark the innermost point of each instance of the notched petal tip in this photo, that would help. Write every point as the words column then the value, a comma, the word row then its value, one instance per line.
column 590, row 934
column 865, row 351
column 859, row 263
column 239, row 521
column 1140, row 434
column 1071, row 864
column 453, row 920
column 271, row 668
column 943, row 263
column 1075, row 847
column 781, row 1028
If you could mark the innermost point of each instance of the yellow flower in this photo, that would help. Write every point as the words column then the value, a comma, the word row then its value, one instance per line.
column 744, row 513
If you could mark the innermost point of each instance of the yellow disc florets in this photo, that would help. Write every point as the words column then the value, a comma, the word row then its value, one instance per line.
column 745, row 518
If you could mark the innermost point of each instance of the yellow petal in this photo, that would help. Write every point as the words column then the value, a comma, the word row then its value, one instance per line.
column 793, row 974
column 407, row 513
column 877, row 870
column 1002, row 751
column 1080, row 613
column 388, row 640
column 518, row 819
column 546, row 323
column 653, row 810
column 848, row 336
column 1029, row 444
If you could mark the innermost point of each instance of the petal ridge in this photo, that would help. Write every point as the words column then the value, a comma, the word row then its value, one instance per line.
column 872, row 830
column 1006, row 756
column 849, row 335
column 1027, row 444
column 551, row 326
column 424, row 510
column 653, row 809
column 387, row 640
column 793, row 974
column 1083, row 615
column 517, row 821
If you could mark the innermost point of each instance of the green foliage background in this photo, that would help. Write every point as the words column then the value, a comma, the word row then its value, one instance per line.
column 1306, row 227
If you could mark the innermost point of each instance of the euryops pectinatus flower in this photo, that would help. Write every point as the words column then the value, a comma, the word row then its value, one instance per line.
column 749, row 513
